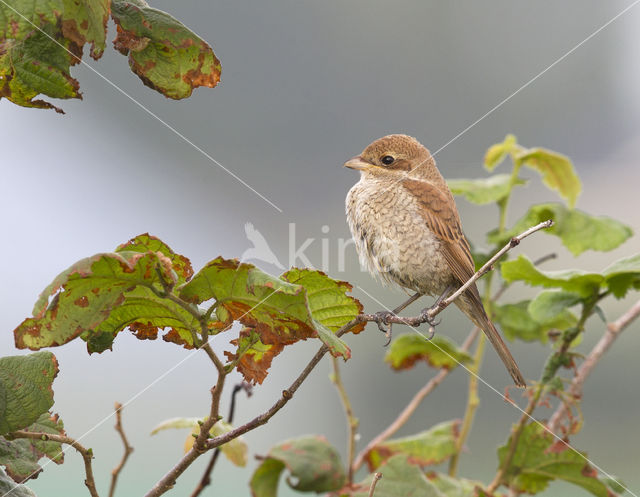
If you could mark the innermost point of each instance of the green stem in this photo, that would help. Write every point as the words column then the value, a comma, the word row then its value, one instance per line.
column 352, row 421
column 473, row 402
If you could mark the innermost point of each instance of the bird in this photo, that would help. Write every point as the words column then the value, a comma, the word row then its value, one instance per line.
column 407, row 230
column 260, row 250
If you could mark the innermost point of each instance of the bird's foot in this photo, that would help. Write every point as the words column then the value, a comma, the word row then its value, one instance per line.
column 425, row 314
column 384, row 325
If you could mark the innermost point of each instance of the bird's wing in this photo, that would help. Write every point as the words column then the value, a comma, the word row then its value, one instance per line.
column 441, row 216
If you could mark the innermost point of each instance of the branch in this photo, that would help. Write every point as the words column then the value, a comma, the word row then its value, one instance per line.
column 413, row 404
column 87, row 454
column 374, row 482
column 127, row 450
column 352, row 421
column 437, row 309
column 612, row 332
column 206, row 477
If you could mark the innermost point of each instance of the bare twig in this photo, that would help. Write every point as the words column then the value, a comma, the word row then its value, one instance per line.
column 127, row 450
column 374, row 482
column 206, row 476
column 352, row 421
column 435, row 310
column 413, row 404
column 87, row 454
column 575, row 390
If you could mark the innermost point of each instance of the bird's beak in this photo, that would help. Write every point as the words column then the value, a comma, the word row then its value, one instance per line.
column 357, row 163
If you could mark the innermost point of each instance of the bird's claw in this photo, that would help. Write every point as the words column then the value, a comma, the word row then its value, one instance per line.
column 384, row 325
column 431, row 321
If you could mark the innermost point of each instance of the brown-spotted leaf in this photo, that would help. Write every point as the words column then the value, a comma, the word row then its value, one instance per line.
column 252, row 357
column 148, row 243
column 439, row 352
column 429, row 447
column 81, row 298
column 276, row 309
column 147, row 316
column 164, row 53
column 540, row 458
column 20, row 456
column 38, row 47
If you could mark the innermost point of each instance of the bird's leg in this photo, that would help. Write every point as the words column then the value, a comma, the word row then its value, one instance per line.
column 384, row 326
column 427, row 311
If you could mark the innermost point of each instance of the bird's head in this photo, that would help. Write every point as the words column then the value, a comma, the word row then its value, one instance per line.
column 392, row 155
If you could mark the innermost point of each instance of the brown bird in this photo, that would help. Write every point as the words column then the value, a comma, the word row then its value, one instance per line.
column 407, row 230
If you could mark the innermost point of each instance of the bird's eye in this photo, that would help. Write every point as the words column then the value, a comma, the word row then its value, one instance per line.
column 387, row 160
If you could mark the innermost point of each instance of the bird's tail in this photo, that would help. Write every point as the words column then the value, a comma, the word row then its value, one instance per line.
column 473, row 308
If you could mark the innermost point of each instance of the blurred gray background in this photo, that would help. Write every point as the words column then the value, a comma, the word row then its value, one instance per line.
column 305, row 86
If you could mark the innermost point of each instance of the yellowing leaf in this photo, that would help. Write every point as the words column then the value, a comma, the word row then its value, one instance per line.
column 557, row 171
column 497, row 153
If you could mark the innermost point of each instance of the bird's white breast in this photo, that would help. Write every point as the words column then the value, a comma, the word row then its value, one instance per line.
column 392, row 237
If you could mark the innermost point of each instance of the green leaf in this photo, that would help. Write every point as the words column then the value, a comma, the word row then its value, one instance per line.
column 25, row 389
column 623, row 275
column 34, row 62
column 278, row 310
column 497, row 153
column 516, row 321
column 314, row 465
column 84, row 296
column 164, row 53
column 577, row 230
column 454, row 487
column 540, row 459
column 428, row 447
column 572, row 280
column 147, row 243
column 400, row 479
column 145, row 314
column 556, row 169
column 252, row 357
column 20, row 456
column 484, row 190
column 439, row 352
column 328, row 300
column 235, row 450
column 551, row 306
column 9, row 487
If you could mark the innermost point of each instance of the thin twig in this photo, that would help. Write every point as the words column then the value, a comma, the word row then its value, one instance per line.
column 87, row 454
column 413, row 404
column 575, row 390
column 206, row 476
column 127, row 450
column 352, row 421
column 437, row 309
column 374, row 482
